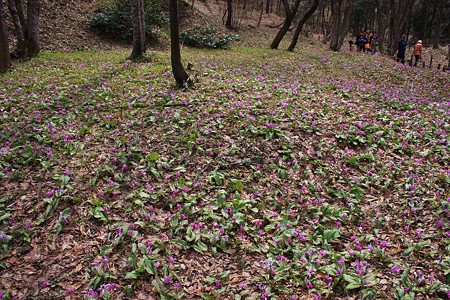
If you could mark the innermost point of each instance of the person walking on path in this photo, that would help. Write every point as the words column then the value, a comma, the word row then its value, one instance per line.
column 401, row 49
column 418, row 48
column 374, row 44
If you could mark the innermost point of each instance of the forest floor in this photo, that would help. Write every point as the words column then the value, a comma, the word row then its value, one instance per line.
column 280, row 175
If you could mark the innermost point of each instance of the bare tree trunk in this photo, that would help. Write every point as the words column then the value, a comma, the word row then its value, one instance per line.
column 381, row 26
column 261, row 13
column 424, row 26
column 23, row 19
column 5, row 59
column 19, row 30
column 229, row 23
column 326, row 16
column 341, row 18
column 33, row 27
column 427, row 41
column 290, row 16
column 181, row 77
column 302, row 22
column 137, row 12
column 437, row 30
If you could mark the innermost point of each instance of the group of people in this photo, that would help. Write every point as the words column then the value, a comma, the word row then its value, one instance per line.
column 367, row 41
column 401, row 50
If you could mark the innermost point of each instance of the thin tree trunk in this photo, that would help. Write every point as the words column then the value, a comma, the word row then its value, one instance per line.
column 425, row 22
column 5, row 59
column 290, row 16
column 261, row 13
column 33, row 27
column 181, row 77
column 229, row 23
column 427, row 41
column 302, row 22
column 21, row 42
column 437, row 31
column 137, row 12
column 381, row 26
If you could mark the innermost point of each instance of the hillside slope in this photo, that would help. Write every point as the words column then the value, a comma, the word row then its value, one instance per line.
column 64, row 24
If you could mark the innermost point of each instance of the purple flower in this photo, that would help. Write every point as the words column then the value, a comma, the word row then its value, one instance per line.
column 176, row 285
column 395, row 269
column 270, row 125
column 167, row 280
column 317, row 296
column 119, row 231
column 92, row 294
column 338, row 271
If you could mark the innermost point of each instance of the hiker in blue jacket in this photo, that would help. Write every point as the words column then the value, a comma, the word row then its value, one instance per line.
column 401, row 49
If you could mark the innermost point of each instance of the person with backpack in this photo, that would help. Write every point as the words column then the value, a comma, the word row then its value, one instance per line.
column 362, row 42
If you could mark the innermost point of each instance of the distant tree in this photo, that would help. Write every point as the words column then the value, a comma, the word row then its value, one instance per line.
column 291, row 12
column 181, row 77
column 26, row 27
column 438, row 28
column 382, row 17
column 341, row 13
column 302, row 22
column 5, row 60
column 33, row 10
column 138, row 20
column 268, row 6
column 399, row 20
